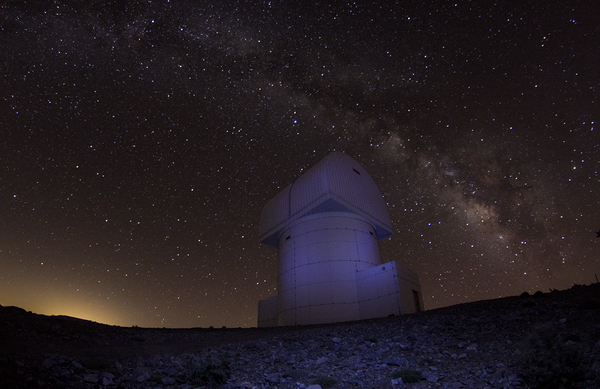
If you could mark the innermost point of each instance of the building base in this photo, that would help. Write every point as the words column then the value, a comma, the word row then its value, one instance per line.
column 383, row 290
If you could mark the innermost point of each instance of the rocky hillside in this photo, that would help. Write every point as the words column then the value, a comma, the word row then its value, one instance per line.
column 549, row 340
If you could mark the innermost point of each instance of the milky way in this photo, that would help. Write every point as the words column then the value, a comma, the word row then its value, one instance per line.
column 142, row 139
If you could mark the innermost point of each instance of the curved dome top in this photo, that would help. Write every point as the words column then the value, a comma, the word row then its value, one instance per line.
column 335, row 184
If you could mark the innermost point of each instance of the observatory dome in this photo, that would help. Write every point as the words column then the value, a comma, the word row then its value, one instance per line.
column 326, row 226
column 335, row 184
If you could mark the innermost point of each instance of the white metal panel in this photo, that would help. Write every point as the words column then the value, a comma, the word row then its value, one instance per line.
column 324, row 268
column 336, row 183
column 409, row 283
column 350, row 183
column 315, row 252
column 321, row 293
column 340, row 234
column 273, row 215
column 344, row 292
column 378, row 291
column 308, row 189
column 286, row 280
column 286, row 318
column 343, row 312
column 286, row 263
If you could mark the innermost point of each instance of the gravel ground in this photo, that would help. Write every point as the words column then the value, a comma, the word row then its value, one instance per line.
column 551, row 339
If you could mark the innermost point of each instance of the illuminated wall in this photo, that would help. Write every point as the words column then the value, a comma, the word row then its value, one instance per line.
column 326, row 227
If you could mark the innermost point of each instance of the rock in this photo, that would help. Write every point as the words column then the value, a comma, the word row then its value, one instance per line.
column 274, row 377
column 515, row 380
column 430, row 377
column 106, row 381
column 168, row 381
column 314, row 387
column 396, row 361
column 93, row 378
column 143, row 377
column 296, row 374
column 48, row 363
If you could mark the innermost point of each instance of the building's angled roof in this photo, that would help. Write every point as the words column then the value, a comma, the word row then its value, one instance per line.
column 335, row 184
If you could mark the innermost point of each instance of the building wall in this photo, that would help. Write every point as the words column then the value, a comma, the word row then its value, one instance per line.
column 382, row 290
column 335, row 183
column 409, row 284
column 379, row 292
column 388, row 289
column 319, row 257
column 267, row 312
column 326, row 226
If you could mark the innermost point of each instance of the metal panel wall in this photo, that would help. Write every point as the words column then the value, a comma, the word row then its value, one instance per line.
column 267, row 312
column 337, row 178
column 308, row 190
column 349, row 181
column 409, row 283
column 273, row 215
column 379, row 291
column 319, row 257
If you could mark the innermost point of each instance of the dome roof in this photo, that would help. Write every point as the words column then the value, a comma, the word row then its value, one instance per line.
column 335, row 184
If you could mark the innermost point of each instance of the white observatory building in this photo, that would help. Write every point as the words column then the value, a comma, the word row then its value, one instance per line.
column 326, row 226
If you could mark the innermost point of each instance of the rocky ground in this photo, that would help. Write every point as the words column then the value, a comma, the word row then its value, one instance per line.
column 550, row 339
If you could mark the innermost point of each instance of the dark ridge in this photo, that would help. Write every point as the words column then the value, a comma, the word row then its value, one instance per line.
column 26, row 333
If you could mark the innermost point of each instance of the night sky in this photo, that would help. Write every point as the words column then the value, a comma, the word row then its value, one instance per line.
column 141, row 140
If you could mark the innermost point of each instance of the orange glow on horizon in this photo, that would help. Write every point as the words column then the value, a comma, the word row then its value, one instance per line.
column 68, row 306
column 84, row 311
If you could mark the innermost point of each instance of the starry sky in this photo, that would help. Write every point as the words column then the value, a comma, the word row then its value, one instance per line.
column 140, row 141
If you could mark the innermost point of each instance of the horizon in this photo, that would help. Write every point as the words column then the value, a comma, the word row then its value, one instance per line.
column 300, row 325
